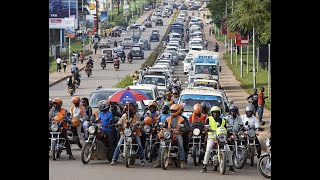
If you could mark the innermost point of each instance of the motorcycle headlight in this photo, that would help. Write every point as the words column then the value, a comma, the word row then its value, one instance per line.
column 251, row 133
column 196, row 132
column 167, row 134
column 127, row 132
column 268, row 142
column 54, row 127
column 222, row 138
column 146, row 128
column 91, row 129
column 241, row 135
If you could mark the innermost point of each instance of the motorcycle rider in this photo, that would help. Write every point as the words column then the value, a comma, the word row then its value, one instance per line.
column 254, row 99
column 216, row 47
column 173, row 121
column 115, row 43
column 77, row 116
column 175, row 97
column 106, row 117
column 165, row 113
column 87, row 116
column 234, row 118
column 137, row 133
column 70, row 82
column 206, row 106
column 185, row 134
column 130, row 56
column 135, row 76
column 252, row 120
column 168, row 98
column 212, row 121
column 59, row 114
column 90, row 64
column 153, row 113
column 116, row 60
column 197, row 115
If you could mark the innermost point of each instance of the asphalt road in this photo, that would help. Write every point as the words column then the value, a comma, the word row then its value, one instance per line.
column 65, row 169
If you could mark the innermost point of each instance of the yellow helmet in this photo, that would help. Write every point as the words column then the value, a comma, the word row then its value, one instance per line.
column 215, row 108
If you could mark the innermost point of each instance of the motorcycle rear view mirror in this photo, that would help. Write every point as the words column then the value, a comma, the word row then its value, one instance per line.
column 263, row 123
column 247, row 123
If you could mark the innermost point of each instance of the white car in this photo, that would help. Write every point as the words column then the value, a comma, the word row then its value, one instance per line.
column 159, row 80
column 150, row 90
column 186, row 64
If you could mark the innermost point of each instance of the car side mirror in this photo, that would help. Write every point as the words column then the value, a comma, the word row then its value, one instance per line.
column 186, row 82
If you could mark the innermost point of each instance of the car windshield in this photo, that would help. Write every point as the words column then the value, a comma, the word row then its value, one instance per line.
column 98, row 96
column 206, row 69
column 188, row 101
column 160, row 81
column 204, row 84
column 147, row 92
column 176, row 30
column 127, row 39
column 134, row 48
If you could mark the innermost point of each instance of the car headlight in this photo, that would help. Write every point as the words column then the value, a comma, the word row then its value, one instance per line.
column 91, row 129
column 146, row 128
column 222, row 138
column 251, row 133
column 167, row 134
column 241, row 135
column 127, row 132
column 54, row 127
column 196, row 132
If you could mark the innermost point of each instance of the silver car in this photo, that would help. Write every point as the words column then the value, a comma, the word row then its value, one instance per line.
column 127, row 42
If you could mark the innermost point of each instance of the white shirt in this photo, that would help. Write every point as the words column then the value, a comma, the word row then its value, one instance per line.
column 58, row 60
column 234, row 122
column 251, row 120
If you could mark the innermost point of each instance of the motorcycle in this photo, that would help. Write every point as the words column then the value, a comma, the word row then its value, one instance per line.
column 239, row 155
column 129, row 148
column 251, row 142
column 216, row 48
column 57, row 143
column 169, row 149
column 197, row 145
column 151, row 145
column 264, row 162
column 116, row 65
column 103, row 63
column 73, row 136
column 88, row 70
column 130, row 60
column 96, row 146
column 218, row 155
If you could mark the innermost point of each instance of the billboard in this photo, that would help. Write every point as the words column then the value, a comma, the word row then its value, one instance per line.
column 61, row 23
column 104, row 16
column 89, row 22
column 242, row 40
column 60, row 8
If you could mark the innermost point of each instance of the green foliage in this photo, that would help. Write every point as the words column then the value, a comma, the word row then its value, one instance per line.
column 217, row 9
column 126, row 81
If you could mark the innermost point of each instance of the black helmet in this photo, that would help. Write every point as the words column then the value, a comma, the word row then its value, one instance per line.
column 104, row 105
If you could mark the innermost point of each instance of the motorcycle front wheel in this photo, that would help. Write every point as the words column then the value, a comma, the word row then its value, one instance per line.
column 147, row 152
column 164, row 159
column 126, row 156
column 54, row 150
column 86, row 153
column 194, row 155
column 240, row 160
column 264, row 166
column 222, row 162
column 251, row 154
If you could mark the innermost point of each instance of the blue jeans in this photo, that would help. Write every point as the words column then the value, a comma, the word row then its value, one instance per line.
column 117, row 151
column 260, row 111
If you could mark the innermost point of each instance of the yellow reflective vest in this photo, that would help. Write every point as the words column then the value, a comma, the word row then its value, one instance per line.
column 214, row 127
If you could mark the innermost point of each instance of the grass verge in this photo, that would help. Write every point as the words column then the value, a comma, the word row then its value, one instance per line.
column 247, row 79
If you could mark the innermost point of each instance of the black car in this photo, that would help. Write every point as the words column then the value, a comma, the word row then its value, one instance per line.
column 137, row 51
column 154, row 37
column 148, row 25
column 194, row 7
column 159, row 22
column 183, row 7
column 119, row 51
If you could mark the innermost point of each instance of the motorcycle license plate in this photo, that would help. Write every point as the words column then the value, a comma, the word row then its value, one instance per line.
column 54, row 132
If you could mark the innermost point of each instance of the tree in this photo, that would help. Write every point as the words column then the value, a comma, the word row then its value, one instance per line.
column 249, row 14
column 217, row 9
